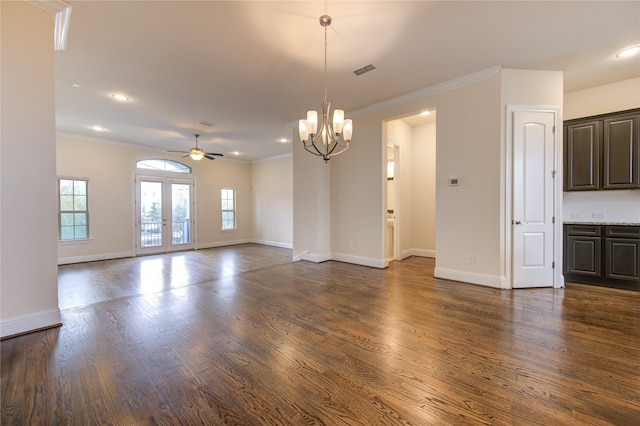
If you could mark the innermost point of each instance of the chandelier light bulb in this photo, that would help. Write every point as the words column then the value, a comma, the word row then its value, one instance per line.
column 347, row 130
column 312, row 122
column 303, row 130
column 338, row 121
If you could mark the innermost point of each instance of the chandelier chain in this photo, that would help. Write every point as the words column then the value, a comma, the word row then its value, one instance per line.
column 325, row 65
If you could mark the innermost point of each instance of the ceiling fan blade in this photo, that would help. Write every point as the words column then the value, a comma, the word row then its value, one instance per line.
column 214, row 153
column 209, row 157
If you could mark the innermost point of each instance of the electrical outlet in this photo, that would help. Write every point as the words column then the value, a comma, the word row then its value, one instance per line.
column 576, row 215
column 597, row 215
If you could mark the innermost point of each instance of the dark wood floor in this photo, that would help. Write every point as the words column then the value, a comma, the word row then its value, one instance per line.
column 244, row 336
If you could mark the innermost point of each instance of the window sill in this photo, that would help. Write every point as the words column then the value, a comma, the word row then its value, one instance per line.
column 78, row 241
column 229, row 230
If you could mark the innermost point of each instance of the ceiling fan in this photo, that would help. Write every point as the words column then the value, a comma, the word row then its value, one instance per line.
column 198, row 154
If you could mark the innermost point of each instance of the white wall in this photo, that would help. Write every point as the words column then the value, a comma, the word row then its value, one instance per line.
column 470, row 147
column 28, row 277
column 424, row 190
column 110, row 169
column 211, row 177
column 272, row 198
column 311, row 205
column 613, row 97
column 602, row 206
column 468, row 215
column 468, row 139
column 616, row 206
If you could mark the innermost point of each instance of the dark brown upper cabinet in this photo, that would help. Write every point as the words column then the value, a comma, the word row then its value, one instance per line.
column 583, row 144
column 602, row 152
column 621, row 144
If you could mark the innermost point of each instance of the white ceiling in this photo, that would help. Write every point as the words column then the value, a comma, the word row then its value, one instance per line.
column 253, row 68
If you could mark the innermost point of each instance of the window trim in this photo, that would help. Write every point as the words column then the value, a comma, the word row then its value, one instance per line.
column 235, row 212
column 86, row 239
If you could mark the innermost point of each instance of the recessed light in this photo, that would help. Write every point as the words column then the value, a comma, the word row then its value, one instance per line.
column 98, row 128
column 423, row 113
column 283, row 140
column 75, row 85
column 630, row 51
column 235, row 153
column 120, row 97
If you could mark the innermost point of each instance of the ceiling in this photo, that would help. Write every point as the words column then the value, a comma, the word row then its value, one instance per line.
column 252, row 69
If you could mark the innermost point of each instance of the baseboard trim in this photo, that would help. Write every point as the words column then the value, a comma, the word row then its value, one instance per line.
column 274, row 244
column 361, row 260
column 422, row 253
column 468, row 277
column 94, row 257
column 223, row 244
column 120, row 255
column 14, row 326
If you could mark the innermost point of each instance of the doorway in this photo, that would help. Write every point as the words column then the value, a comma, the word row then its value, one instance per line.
column 392, row 234
column 411, row 143
column 164, row 220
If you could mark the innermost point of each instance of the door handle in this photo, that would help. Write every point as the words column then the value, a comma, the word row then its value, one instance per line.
column 518, row 222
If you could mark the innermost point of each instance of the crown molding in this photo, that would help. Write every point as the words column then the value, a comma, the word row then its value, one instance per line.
column 430, row 91
column 51, row 6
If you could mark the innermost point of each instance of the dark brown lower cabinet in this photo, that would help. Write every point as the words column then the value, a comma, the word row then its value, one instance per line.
column 622, row 251
column 606, row 255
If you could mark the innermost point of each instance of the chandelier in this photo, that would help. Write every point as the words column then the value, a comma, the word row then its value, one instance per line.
column 332, row 137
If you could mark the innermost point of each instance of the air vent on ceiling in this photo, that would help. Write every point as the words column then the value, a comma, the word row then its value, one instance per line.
column 364, row 69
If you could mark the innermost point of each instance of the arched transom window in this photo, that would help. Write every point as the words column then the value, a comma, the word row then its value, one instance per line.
column 162, row 165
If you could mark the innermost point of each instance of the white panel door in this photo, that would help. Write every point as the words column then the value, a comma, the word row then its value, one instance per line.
column 533, row 195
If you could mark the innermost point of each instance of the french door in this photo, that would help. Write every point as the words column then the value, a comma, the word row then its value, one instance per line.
column 164, row 215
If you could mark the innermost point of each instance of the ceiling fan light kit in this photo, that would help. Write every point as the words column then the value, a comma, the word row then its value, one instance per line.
column 197, row 154
column 334, row 136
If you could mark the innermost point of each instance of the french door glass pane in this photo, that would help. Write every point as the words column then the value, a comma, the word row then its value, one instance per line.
column 150, row 214
column 180, row 213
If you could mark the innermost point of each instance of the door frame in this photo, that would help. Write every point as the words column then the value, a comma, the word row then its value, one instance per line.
column 507, row 210
column 396, row 209
column 168, row 179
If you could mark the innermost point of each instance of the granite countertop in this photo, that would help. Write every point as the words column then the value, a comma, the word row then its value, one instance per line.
column 602, row 223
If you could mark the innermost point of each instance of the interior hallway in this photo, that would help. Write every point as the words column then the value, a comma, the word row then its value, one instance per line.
column 242, row 335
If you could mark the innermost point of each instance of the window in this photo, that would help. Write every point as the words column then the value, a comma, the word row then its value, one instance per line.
column 163, row 165
column 73, row 209
column 228, row 197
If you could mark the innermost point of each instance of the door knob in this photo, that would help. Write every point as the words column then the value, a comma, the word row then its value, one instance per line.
column 518, row 222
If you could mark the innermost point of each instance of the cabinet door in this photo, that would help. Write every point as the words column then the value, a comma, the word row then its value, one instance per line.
column 582, row 156
column 583, row 256
column 620, row 157
column 622, row 258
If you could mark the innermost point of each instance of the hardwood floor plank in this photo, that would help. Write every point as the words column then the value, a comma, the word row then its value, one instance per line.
column 245, row 336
